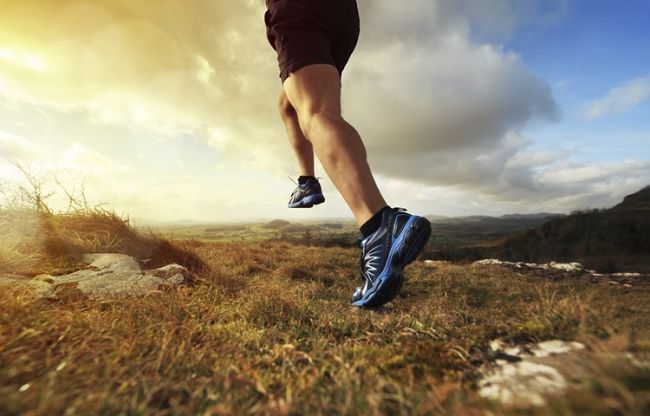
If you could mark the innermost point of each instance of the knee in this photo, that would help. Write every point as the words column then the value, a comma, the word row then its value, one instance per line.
column 312, row 121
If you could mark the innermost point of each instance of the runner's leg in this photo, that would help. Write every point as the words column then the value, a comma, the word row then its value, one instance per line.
column 301, row 146
column 314, row 91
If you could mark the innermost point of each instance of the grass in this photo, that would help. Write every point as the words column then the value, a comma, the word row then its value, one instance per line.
column 33, row 242
column 266, row 329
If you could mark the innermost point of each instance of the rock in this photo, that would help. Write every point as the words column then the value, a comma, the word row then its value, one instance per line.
column 567, row 267
column 497, row 345
column 546, row 348
column 47, row 278
column 522, row 383
column 105, row 276
column 436, row 263
column 172, row 274
column 68, row 292
column 574, row 269
column 113, row 262
column 117, row 275
column 641, row 363
column 491, row 261
column 522, row 375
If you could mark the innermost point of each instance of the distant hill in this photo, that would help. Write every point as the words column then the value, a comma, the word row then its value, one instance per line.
column 540, row 215
column 638, row 201
column 276, row 224
column 508, row 221
column 450, row 233
column 615, row 239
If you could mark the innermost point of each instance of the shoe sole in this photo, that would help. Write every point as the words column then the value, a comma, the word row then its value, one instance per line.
column 404, row 251
column 308, row 201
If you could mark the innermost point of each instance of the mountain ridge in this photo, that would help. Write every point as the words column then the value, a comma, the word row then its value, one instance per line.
column 607, row 240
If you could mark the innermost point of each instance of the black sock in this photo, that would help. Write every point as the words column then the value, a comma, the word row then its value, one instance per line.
column 373, row 223
column 303, row 179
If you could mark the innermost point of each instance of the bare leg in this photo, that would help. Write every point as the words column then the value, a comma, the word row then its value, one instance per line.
column 299, row 143
column 315, row 92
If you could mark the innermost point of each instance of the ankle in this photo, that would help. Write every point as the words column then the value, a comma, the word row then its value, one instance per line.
column 373, row 224
column 303, row 179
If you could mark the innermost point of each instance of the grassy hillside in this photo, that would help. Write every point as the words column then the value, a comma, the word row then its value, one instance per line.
column 450, row 233
column 616, row 239
column 611, row 240
column 266, row 329
column 638, row 200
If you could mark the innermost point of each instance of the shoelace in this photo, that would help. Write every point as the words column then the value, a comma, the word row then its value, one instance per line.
column 297, row 187
column 298, row 184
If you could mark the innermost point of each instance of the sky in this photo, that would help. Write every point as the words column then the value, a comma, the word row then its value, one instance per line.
column 167, row 111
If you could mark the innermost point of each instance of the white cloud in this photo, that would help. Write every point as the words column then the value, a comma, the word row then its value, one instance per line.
column 442, row 107
column 207, row 66
column 79, row 158
column 13, row 147
column 436, row 106
column 559, row 186
column 619, row 99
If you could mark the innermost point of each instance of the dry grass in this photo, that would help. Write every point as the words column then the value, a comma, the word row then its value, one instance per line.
column 33, row 242
column 268, row 330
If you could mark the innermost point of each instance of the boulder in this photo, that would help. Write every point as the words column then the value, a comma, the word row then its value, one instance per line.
column 523, row 375
column 106, row 276
column 566, row 267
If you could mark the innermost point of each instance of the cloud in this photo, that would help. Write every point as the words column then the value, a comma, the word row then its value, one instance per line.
column 619, row 99
column 13, row 147
column 17, row 150
column 444, row 108
column 559, row 186
column 440, row 104
column 164, row 67
column 206, row 66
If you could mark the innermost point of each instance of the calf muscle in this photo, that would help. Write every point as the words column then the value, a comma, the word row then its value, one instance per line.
column 315, row 92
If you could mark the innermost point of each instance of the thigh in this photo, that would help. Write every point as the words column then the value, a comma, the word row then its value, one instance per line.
column 315, row 89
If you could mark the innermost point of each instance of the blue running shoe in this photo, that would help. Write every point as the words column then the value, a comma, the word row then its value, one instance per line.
column 307, row 195
column 385, row 254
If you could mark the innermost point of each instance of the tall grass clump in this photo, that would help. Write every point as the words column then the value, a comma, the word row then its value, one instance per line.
column 35, row 239
column 34, row 242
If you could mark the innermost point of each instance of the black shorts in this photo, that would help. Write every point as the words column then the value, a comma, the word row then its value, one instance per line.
column 306, row 32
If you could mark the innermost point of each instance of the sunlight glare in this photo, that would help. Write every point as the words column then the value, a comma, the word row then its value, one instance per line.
column 23, row 59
